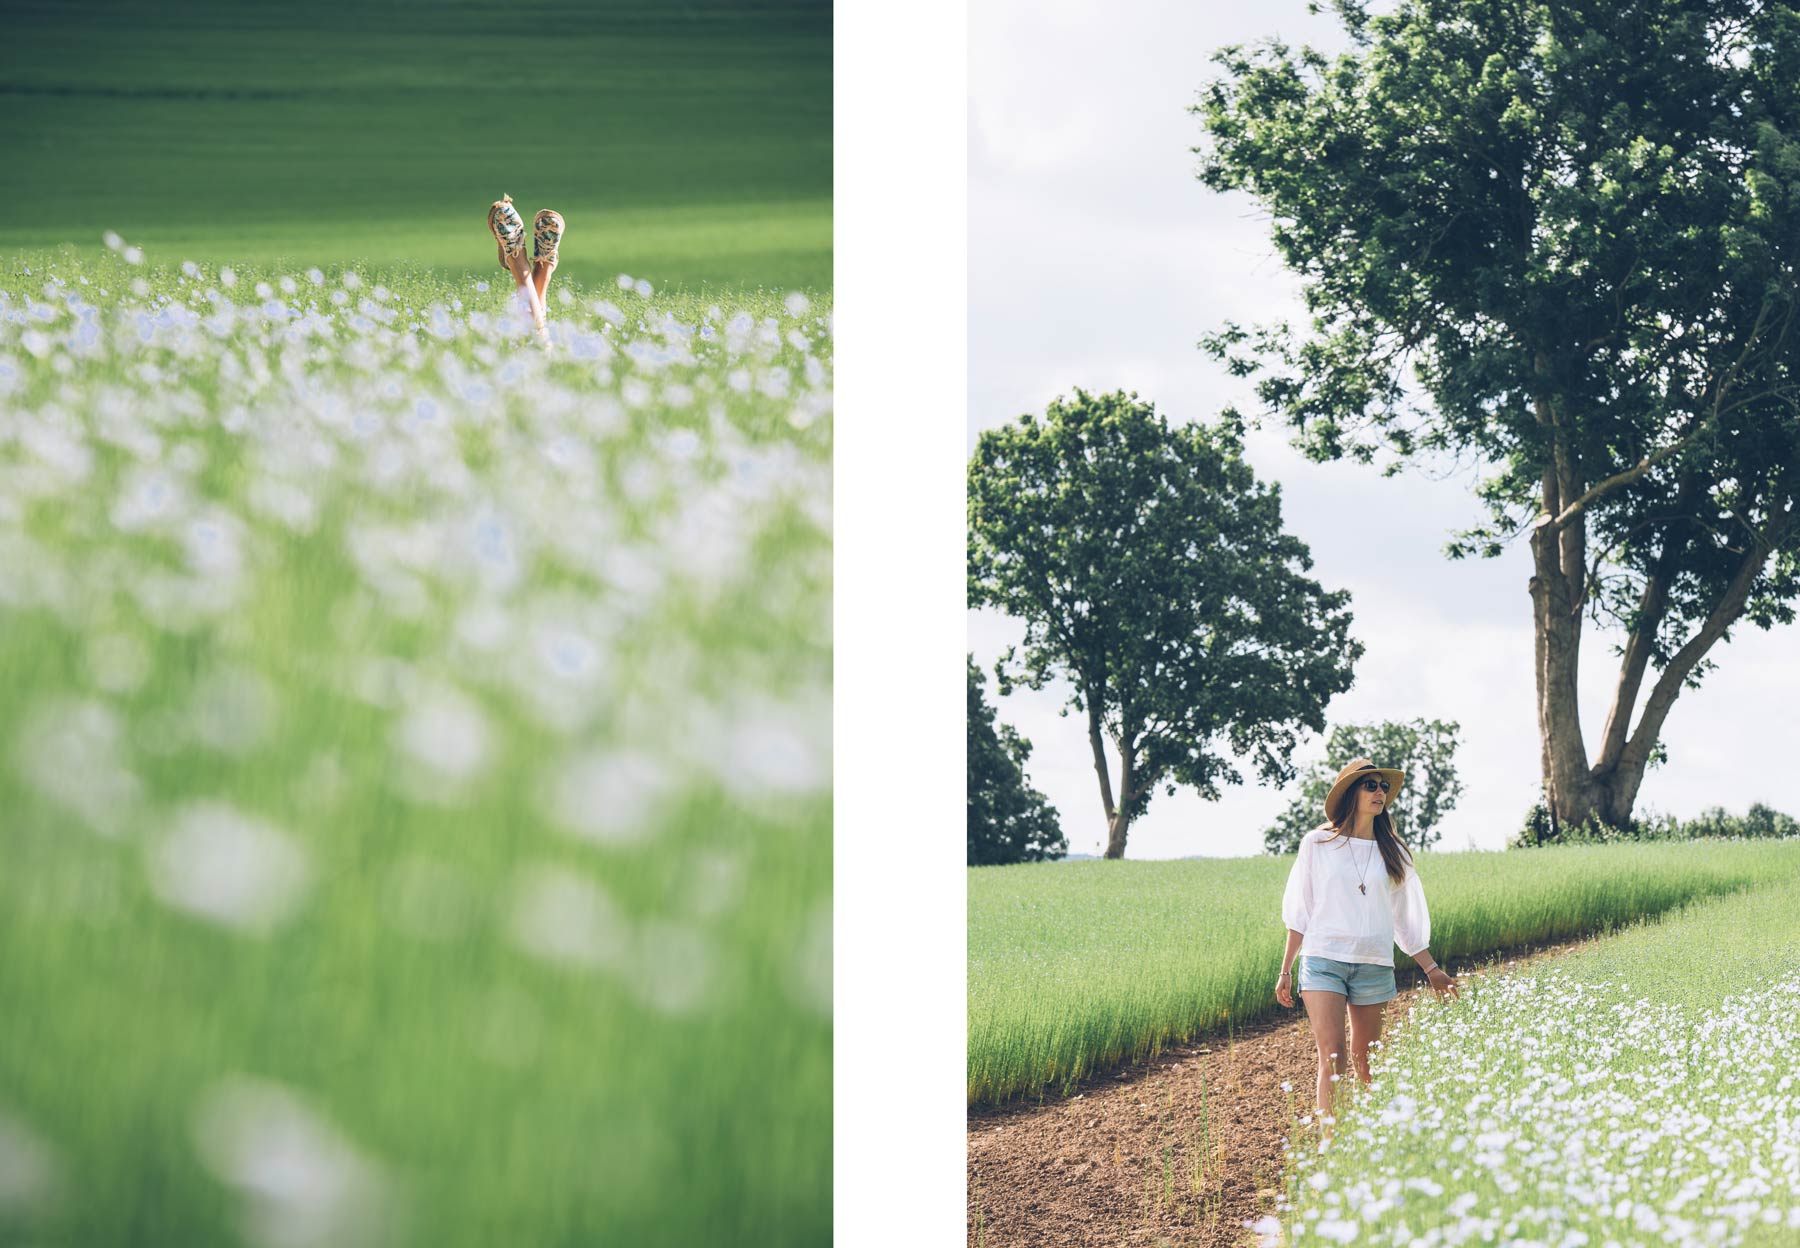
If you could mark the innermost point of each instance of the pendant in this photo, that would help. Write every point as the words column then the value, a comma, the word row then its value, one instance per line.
column 1362, row 889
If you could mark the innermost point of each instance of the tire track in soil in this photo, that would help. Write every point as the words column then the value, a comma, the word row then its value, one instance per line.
column 1113, row 1164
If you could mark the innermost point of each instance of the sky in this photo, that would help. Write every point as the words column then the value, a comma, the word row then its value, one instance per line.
column 1096, row 259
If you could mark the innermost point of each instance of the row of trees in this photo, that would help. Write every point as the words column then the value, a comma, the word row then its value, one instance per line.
column 1760, row 822
column 1560, row 241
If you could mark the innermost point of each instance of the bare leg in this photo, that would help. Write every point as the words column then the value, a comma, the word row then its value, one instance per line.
column 509, row 236
column 528, row 293
column 1365, row 1026
column 1325, row 1010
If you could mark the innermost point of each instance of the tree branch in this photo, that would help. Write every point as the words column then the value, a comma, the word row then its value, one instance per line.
column 1620, row 479
column 1651, row 608
column 1729, row 607
column 1094, row 698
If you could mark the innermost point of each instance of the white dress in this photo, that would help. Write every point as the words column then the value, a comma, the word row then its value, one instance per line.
column 1322, row 902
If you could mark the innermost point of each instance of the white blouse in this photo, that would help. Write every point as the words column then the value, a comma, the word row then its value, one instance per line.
column 1337, row 921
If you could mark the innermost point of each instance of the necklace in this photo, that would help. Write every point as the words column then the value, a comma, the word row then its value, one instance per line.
column 1360, row 886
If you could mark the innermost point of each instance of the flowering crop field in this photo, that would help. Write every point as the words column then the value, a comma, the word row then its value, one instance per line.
column 415, row 804
column 1080, row 967
column 1645, row 1091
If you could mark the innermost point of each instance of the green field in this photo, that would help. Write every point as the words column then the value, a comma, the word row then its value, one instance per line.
column 415, row 772
column 1080, row 967
column 1640, row 1091
column 688, row 144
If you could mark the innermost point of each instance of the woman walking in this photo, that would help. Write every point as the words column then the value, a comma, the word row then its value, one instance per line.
column 1352, row 895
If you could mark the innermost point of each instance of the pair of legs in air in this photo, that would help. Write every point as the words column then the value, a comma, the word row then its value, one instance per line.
column 531, row 275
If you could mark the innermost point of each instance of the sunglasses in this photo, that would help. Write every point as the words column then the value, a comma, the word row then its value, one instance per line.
column 1371, row 784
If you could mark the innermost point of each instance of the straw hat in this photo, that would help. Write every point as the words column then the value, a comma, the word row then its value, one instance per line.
column 1353, row 773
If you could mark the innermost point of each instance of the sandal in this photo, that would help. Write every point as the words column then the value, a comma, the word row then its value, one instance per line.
column 508, row 229
column 546, row 233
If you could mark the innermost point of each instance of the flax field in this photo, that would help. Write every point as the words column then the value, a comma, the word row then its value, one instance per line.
column 1078, row 968
column 415, row 812
column 1642, row 1091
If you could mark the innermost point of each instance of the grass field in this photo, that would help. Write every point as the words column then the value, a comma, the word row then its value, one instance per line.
column 1080, row 967
column 416, row 766
column 1646, row 1090
column 685, row 143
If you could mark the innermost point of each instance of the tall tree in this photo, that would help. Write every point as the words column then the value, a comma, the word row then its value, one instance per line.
column 1576, row 226
column 1150, row 569
column 1009, row 821
column 1423, row 749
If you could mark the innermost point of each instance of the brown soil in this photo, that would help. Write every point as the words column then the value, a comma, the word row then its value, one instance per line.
column 1180, row 1150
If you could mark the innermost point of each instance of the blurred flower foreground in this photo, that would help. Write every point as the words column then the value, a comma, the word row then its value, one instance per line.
column 415, row 775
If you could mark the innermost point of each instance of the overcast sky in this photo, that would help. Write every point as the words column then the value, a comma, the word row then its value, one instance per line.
column 1097, row 260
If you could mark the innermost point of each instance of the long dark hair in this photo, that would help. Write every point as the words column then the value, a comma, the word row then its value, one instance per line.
column 1394, row 855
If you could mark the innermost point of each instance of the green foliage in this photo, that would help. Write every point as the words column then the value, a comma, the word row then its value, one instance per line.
column 1760, row 822
column 1009, row 821
column 1424, row 750
column 1150, row 569
column 1536, row 828
column 1768, row 823
column 689, row 144
column 1561, row 239
column 1077, row 968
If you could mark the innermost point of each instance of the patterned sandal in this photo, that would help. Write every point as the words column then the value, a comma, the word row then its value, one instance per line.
column 546, row 233
column 508, row 229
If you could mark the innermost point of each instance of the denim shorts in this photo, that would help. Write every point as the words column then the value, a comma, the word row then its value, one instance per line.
column 1363, row 983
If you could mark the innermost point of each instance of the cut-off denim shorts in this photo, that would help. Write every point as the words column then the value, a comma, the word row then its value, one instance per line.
column 1362, row 983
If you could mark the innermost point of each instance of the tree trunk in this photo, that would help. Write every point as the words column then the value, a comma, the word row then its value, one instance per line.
column 1121, row 818
column 1617, row 796
column 1608, row 790
column 1115, row 834
column 1116, row 821
column 1559, row 554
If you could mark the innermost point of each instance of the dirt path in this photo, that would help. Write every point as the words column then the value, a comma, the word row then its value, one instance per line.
column 1181, row 1150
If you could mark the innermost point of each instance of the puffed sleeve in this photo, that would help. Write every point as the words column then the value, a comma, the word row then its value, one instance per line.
column 1297, row 899
column 1412, row 921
